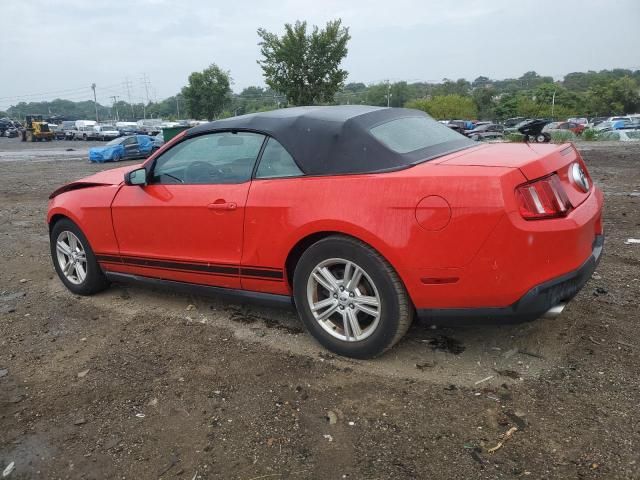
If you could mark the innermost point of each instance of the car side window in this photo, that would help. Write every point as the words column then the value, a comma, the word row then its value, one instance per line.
column 276, row 162
column 213, row 158
column 130, row 141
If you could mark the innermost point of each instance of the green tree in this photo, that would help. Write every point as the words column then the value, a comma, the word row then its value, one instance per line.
column 446, row 107
column 614, row 97
column 483, row 98
column 206, row 92
column 305, row 66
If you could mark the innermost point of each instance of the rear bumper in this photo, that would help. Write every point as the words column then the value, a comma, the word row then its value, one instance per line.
column 535, row 303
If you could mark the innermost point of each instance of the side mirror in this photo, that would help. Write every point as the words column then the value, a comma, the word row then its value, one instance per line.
column 136, row 177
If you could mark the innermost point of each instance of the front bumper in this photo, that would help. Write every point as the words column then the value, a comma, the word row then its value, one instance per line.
column 535, row 303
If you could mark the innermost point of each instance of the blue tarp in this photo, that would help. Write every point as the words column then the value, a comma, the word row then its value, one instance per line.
column 117, row 152
column 145, row 142
column 104, row 154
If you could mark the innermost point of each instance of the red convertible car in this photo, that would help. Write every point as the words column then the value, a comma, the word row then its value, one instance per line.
column 361, row 217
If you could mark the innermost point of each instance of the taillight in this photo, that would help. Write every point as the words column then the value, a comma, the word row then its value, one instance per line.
column 543, row 198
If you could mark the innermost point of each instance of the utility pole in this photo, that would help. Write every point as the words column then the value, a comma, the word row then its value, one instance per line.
column 115, row 105
column 388, row 94
column 178, row 106
column 145, row 82
column 553, row 104
column 95, row 101
column 127, row 84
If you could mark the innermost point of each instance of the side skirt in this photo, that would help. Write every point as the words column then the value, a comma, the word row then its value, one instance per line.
column 242, row 296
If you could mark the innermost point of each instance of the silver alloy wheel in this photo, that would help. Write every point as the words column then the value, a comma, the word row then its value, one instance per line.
column 344, row 300
column 72, row 259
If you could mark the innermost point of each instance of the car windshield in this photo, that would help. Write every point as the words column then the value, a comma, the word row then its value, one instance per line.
column 117, row 141
column 410, row 134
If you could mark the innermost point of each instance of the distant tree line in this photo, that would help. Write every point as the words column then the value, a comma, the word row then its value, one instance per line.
column 302, row 67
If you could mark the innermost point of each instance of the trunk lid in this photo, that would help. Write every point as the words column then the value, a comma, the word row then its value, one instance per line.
column 533, row 160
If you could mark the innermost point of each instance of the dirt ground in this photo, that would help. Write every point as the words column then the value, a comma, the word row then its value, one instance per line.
column 138, row 384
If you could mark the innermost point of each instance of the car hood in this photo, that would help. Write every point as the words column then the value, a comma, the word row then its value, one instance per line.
column 114, row 176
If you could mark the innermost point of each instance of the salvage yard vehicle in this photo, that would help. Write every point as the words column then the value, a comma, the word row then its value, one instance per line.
column 623, row 135
column 36, row 129
column 486, row 131
column 533, row 131
column 574, row 127
column 361, row 217
column 106, row 132
column 123, row 148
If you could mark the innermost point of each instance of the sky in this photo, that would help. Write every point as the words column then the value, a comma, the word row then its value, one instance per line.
column 57, row 49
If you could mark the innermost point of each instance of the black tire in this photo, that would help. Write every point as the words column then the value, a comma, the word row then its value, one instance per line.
column 395, row 311
column 95, row 280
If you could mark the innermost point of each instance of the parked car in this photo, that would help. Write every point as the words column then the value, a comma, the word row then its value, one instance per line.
column 8, row 127
column 85, row 132
column 122, row 148
column 579, row 120
column 10, row 132
column 512, row 122
column 596, row 121
column 106, row 132
column 612, row 125
column 58, row 133
column 278, row 207
column 633, row 125
column 486, row 132
column 514, row 128
column 623, row 118
column 576, row 128
column 127, row 130
column 158, row 141
column 621, row 135
column 69, row 129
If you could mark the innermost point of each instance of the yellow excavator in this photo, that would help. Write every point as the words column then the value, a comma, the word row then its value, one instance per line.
column 36, row 129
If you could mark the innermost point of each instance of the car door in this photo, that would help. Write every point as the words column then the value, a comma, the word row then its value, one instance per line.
column 131, row 148
column 186, row 224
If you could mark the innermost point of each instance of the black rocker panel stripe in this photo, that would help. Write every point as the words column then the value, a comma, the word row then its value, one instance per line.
column 226, row 270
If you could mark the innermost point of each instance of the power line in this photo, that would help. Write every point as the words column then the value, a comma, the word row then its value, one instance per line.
column 52, row 92
column 145, row 83
column 115, row 104
column 127, row 84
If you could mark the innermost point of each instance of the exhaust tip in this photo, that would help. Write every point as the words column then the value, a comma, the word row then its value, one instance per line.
column 554, row 311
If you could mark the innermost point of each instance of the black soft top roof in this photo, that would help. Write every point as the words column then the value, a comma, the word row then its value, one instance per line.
column 334, row 140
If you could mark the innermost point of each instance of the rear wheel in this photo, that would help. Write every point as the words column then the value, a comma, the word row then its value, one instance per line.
column 350, row 299
column 74, row 261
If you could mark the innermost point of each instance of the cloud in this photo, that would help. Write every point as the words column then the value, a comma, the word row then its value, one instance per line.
column 69, row 44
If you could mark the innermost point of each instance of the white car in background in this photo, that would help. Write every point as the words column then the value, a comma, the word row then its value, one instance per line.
column 621, row 135
column 106, row 132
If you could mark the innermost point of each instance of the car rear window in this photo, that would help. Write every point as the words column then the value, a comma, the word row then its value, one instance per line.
column 408, row 134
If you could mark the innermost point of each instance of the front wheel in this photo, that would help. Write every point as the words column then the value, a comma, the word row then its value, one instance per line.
column 350, row 299
column 74, row 260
